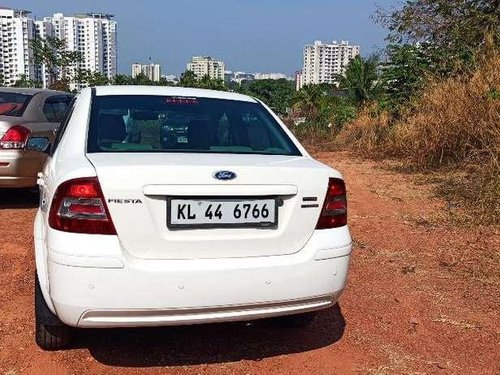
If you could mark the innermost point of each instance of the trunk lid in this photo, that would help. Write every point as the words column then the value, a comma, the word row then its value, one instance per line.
column 136, row 188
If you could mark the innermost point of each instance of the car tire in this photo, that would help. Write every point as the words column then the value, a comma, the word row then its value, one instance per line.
column 50, row 332
column 297, row 320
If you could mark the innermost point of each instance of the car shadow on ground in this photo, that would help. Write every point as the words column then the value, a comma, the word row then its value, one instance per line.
column 211, row 343
column 18, row 198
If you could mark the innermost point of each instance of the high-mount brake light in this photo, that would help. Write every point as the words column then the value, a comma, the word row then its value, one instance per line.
column 15, row 138
column 334, row 212
column 79, row 206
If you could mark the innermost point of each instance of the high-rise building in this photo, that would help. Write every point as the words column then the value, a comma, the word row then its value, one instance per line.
column 206, row 66
column 92, row 34
column 43, row 29
column 323, row 60
column 152, row 71
column 16, row 56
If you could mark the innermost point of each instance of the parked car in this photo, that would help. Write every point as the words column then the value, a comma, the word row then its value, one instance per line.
column 231, row 220
column 26, row 113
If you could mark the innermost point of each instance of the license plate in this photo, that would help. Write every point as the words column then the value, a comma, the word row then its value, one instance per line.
column 219, row 213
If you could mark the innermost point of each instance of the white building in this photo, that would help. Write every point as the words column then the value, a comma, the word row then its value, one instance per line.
column 152, row 71
column 323, row 60
column 238, row 77
column 273, row 76
column 43, row 30
column 16, row 30
column 206, row 65
column 92, row 34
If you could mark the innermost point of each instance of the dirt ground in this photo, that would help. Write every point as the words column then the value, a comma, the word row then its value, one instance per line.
column 423, row 297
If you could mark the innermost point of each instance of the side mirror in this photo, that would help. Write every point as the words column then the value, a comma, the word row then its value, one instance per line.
column 39, row 144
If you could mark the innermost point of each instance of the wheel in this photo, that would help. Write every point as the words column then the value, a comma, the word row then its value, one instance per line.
column 50, row 332
column 296, row 321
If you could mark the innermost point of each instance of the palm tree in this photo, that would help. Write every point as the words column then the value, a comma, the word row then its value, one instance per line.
column 310, row 99
column 361, row 80
column 121, row 79
column 188, row 79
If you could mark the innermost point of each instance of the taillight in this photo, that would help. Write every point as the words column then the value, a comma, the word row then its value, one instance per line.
column 15, row 138
column 79, row 207
column 334, row 212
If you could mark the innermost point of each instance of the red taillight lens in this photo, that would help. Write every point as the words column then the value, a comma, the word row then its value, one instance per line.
column 15, row 138
column 79, row 207
column 334, row 212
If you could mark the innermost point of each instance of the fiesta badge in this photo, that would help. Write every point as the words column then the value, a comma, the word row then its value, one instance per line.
column 224, row 175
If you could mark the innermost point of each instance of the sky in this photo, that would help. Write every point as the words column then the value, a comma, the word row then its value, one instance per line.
column 248, row 35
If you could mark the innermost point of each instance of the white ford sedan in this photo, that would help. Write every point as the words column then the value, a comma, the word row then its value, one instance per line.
column 172, row 206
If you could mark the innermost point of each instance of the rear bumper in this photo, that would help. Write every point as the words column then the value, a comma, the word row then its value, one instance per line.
column 189, row 316
column 19, row 169
column 90, row 297
column 128, row 292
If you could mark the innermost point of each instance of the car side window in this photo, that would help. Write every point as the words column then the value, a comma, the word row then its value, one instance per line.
column 55, row 107
column 62, row 127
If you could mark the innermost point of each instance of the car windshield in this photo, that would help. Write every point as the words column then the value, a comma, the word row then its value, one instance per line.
column 12, row 104
column 127, row 123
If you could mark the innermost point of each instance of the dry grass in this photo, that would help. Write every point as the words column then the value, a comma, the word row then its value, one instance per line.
column 455, row 127
column 367, row 133
column 456, row 121
column 315, row 138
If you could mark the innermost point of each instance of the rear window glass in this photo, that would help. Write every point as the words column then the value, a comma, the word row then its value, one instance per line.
column 12, row 104
column 184, row 124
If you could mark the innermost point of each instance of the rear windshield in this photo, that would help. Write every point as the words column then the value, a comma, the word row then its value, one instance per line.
column 184, row 124
column 12, row 104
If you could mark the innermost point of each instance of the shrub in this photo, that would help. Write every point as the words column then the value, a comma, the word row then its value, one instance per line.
column 456, row 121
column 454, row 126
column 367, row 133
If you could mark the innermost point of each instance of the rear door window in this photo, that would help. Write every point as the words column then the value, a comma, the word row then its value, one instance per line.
column 184, row 124
column 13, row 104
column 64, row 124
column 55, row 107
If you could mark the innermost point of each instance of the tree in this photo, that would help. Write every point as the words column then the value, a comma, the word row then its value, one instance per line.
column 213, row 84
column 141, row 79
column 451, row 32
column 308, row 100
column 24, row 81
column 91, row 79
column 188, row 79
column 53, row 53
column 361, row 79
column 122, row 79
column 323, row 106
column 277, row 94
column 403, row 75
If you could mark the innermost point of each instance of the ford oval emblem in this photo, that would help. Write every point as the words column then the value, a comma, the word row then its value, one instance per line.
column 224, row 175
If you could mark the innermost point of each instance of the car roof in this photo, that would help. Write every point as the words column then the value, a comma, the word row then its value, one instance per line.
column 170, row 91
column 31, row 91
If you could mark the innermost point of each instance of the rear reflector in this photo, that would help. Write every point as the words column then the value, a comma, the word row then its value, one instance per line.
column 334, row 212
column 15, row 138
column 79, row 207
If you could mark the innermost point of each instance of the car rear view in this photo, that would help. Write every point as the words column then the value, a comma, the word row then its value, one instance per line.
column 13, row 137
column 27, row 113
column 168, row 206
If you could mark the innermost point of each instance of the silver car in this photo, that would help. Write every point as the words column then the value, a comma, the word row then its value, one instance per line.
column 27, row 114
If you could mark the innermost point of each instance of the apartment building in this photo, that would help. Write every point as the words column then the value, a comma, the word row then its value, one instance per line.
column 323, row 60
column 152, row 71
column 206, row 65
column 16, row 30
column 92, row 34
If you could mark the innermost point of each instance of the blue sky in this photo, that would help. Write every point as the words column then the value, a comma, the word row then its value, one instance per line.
column 250, row 35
